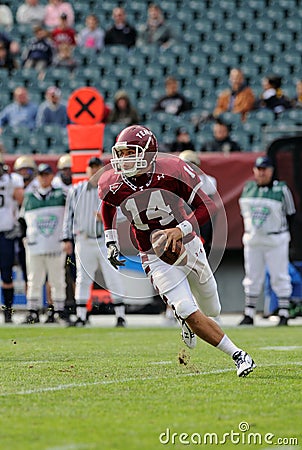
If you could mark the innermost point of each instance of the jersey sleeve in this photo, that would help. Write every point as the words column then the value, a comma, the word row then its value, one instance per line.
column 190, row 186
column 288, row 201
column 17, row 180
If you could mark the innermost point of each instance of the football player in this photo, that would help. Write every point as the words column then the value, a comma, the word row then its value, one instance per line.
column 154, row 193
column 11, row 193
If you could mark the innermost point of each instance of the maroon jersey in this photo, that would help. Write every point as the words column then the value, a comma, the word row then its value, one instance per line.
column 159, row 199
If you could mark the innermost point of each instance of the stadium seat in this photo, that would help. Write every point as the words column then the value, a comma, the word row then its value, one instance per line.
column 4, row 99
column 282, row 70
column 252, row 128
column 233, row 120
column 242, row 138
column 7, row 141
column 263, row 116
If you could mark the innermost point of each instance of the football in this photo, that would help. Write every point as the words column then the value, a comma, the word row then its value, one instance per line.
column 177, row 258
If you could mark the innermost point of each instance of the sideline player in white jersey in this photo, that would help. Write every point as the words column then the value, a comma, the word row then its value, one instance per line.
column 63, row 178
column 11, row 192
column 153, row 192
column 267, row 208
column 82, row 222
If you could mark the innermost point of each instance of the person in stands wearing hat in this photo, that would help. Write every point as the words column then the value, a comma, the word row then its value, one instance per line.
column 42, row 212
column 267, row 209
column 123, row 112
column 52, row 111
column 83, row 224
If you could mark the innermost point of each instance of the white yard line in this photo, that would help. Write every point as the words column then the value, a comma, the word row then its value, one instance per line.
column 62, row 387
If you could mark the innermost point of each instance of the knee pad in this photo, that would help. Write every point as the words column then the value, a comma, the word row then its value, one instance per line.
column 183, row 308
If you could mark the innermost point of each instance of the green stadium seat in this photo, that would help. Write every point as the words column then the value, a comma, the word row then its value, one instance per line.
column 242, row 138
column 4, row 99
column 262, row 116
column 8, row 143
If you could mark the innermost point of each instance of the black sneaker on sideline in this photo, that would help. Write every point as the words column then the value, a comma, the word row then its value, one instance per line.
column 283, row 322
column 247, row 320
column 121, row 322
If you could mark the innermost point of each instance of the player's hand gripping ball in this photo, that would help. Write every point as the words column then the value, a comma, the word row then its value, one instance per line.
column 177, row 258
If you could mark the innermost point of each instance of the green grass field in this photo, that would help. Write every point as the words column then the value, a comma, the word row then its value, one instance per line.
column 103, row 388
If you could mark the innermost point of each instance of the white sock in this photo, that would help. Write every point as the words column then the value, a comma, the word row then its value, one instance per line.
column 227, row 346
column 120, row 311
column 82, row 312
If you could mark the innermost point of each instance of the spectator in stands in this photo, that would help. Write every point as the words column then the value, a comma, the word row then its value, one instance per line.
column 52, row 111
column 173, row 102
column 30, row 13
column 297, row 100
column 6, row 17
column 238, row 99
column 156, row 31
column 182, row 141
column 64, row 57
column 123, row 112
column 21, row 112
column 12, row 46
column 221, row 142
column 7, row 61
column 92, row 36
column 53, row 12
column 121, row 32
column 63, row 33
column 38, row 53
column 272, row 96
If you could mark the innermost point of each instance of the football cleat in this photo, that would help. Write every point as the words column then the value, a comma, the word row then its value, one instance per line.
column 78, row 323
column 32, row 317
column 188, row 336
column 121, row 322
column 244, row 363
column 247, row 320
column 283, row 321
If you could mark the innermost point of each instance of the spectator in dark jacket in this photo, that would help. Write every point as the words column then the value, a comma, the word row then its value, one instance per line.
column 221, row 141
column 121, row 33
column 183, row 141
column 38, row 54
column 272, row 96
column 123, row 112
column 173, row 102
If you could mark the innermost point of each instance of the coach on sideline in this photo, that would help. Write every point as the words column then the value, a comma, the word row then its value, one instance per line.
column 267, row 208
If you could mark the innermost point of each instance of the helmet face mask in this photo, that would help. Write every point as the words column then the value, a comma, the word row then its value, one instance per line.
column 135, row 149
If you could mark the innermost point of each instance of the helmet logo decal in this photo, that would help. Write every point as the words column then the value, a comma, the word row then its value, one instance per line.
column 143, row 133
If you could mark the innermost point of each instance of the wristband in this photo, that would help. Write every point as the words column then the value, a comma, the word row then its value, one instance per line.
column 185, row 227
